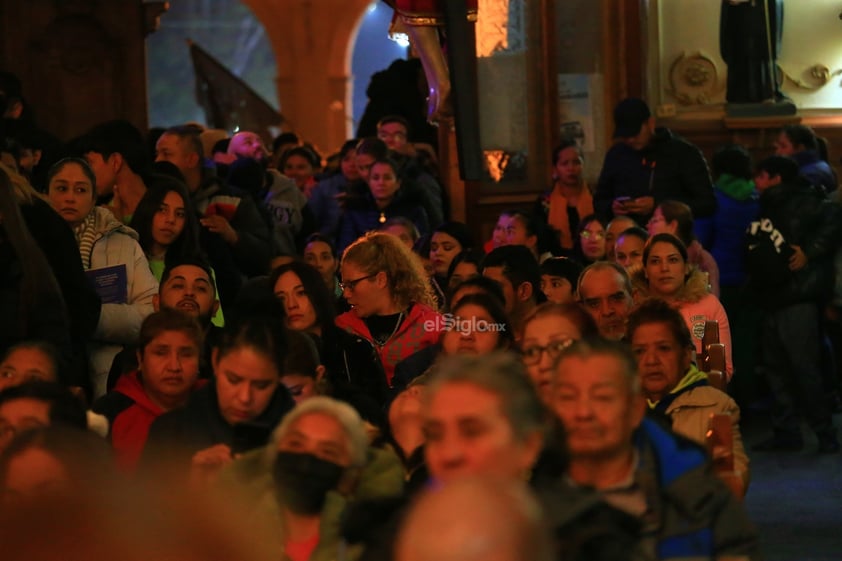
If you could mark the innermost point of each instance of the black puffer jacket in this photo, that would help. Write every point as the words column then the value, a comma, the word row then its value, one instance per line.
column 800, row 215
column 670, row 168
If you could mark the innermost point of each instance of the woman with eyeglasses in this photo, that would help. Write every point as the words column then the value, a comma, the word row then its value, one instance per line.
column 590, row 241
column 548, row 330
column 392, row 310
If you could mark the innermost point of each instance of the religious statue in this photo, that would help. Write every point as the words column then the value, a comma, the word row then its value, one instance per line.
column 750, row 33
column 423, row 22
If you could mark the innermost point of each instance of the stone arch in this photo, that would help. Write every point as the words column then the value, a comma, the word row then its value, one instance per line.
column 312, row 41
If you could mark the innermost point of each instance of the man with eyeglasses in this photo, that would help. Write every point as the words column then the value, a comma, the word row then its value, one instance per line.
column 605, row 292
column 394, row 131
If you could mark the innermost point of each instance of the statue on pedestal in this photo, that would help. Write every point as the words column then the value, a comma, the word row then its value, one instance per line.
column 750, row 34
column 423, row 21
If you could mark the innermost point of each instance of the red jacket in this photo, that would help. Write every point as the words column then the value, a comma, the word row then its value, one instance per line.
column 421, row 328
column 130, row 413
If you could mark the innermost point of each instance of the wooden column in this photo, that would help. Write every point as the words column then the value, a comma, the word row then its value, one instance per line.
column 81, row 62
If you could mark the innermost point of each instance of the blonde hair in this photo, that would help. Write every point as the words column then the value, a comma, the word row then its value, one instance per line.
column 23, row 192
column 408, row 282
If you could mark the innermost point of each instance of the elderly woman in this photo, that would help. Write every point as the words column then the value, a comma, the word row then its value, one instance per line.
column 672, row 384
column 492, row 392
column 392, row 310
column 548, row 330
column 318, row 461
column 112, row 258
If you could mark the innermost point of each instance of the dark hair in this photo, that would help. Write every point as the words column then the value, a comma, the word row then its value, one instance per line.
column 732, row 159
column 37, row 280
column 519, row 266
column 303, row 355
column 571, row 311
column 577, row 243
column 656, row 310
column 564, row 145
column 563, row 267
column 186, row 246
column 194, row 261
column 117, row 137
column 304, row 152
column 665, row 238
column 801, row 135
column 169, row 320
column 64, row 407
column 373, row 146
column 545, row 238
column 530, row 222
column 190, row 135
column 421, row 247
column 484, row 284
column 347, row 147
column 458, row 231
column 319, row 237
column 586, row 221
column 388, row 162
column 494, row 307
column 473, row 256
column 44, row 347
column 635, row 232
column 285, row 138
column 86, row 169
column 83, row 455
column 263, row 333
column 676, row 211
column 395, row 119
column 168, row 169
column 314, row 286
column 220, row 146
column 779, row 166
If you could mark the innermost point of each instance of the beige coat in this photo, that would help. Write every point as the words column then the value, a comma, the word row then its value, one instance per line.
column 690, row 414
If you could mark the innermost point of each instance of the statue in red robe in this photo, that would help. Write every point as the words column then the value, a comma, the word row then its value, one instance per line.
column 422, row 21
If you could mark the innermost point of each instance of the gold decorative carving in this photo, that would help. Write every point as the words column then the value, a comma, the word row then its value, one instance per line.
column 819, row 74
column 694, row 78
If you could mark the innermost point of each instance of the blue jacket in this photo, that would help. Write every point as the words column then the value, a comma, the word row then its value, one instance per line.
column 361, row 216
column 324, row 205
column 736, row 207
column 815, row 170
column 694, row 514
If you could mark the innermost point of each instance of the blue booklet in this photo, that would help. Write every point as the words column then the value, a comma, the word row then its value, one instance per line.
column 111, row 283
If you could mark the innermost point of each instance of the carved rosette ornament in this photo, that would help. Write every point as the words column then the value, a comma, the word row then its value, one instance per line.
column 694, row 79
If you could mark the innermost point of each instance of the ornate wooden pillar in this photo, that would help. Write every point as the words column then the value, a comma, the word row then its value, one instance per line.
column 81, row 62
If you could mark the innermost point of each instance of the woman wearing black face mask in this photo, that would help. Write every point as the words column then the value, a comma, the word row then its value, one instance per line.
column 320, row 460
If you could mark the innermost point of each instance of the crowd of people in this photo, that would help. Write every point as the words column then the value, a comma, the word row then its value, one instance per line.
column 317, row 338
